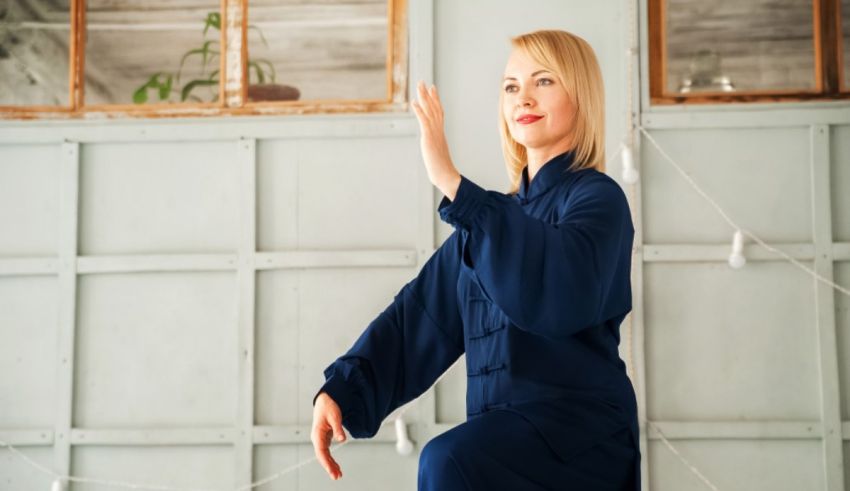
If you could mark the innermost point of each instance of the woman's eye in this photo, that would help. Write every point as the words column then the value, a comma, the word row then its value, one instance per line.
column 507, row 89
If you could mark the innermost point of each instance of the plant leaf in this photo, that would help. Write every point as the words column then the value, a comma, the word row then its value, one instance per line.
column 260, row 32
column 183, row 60
column 191, row 85
column 213, row 20
column 140, row 96
column 205, row 51
column 271, row 67
column 165, row 89
column 206, row 55
column 259, row 71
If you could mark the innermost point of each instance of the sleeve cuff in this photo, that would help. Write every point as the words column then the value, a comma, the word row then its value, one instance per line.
column 339, row 390
column 468, row 200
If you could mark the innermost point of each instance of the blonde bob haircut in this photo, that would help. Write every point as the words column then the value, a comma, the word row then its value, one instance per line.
column 574, row 63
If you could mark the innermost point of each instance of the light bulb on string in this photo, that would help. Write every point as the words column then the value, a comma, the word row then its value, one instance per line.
column 736, row 258
column 403, row 444
column 630, row 173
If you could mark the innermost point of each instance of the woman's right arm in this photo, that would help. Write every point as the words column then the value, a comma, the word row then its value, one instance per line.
column 404, row 350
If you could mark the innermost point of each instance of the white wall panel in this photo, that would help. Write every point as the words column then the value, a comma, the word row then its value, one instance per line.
column 28, row 313
column 158, row 197
column 759, row 176
column 723, row 346
column 754, row 465
column 842, row 337
column 350, row 193
column 183, row 466
column 16, row 474
column 365, row 467
column 368, row 466
column 840, row 181
column 451, row 394
column 846, row 465
column 305, row 319
column 155, row 350
column 29, row 199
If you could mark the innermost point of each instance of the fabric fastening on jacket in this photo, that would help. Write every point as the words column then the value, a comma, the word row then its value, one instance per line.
column 532, row 287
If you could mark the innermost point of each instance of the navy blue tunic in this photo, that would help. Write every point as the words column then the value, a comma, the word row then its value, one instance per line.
column 532, row 287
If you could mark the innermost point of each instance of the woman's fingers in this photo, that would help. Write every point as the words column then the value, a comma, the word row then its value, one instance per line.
column 321, row 447
column 429, row 103
column 422, row 117
column 428, row 110
column 336, row 423
column 437, row 104
column 326, row 423
column 424, row 103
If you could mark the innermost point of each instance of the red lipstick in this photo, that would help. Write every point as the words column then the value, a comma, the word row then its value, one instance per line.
column 528, row 118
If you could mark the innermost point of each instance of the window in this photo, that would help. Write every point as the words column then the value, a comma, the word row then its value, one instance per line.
column 161, row 58
column 748, row 50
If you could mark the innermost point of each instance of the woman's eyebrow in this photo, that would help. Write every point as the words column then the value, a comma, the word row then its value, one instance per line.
column 533, row 74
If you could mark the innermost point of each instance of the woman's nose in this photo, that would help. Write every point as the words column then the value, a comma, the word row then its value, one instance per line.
column 525, row 102
column 524, row 98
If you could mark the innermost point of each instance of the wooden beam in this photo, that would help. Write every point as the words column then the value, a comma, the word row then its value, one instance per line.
column 827, row 29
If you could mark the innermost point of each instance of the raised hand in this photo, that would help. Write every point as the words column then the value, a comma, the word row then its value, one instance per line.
column 435, row 150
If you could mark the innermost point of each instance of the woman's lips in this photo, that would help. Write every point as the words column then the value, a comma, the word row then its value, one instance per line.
column 529, row 120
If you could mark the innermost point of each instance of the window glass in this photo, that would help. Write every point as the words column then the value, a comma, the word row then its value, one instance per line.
column 739, row 45
column 143, row 52
column 334, row 49
column 34, row 52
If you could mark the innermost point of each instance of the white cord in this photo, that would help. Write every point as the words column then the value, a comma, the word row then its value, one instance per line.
column 734, row 225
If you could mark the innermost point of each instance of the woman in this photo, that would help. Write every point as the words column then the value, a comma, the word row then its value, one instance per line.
column 532, row 285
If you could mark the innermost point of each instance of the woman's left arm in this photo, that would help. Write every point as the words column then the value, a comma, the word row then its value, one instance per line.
column 553, row 279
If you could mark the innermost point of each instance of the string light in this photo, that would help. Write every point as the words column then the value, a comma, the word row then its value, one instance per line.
column 736, row 258
column 630, row 173
column 734, row 225
column 402, row 445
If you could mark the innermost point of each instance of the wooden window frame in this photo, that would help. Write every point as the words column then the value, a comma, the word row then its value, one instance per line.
column 828, row 52
column 233, row 85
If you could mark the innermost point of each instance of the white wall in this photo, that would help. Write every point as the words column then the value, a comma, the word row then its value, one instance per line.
column 171, row 290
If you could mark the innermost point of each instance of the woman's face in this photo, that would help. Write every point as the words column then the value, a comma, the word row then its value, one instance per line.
column 528, row 88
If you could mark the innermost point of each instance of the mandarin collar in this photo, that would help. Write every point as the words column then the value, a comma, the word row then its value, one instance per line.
column 552, row 172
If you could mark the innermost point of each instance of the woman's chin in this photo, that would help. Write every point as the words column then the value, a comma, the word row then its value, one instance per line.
column 529, row 142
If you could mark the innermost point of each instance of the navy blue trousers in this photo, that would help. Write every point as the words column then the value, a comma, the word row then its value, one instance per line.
column 500, row 450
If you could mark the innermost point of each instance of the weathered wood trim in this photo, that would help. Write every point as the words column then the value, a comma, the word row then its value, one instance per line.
column 827, row 53
column 827, row 41
column 234, row 78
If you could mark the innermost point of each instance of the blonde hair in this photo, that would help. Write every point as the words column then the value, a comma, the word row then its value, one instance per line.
column 574, row 63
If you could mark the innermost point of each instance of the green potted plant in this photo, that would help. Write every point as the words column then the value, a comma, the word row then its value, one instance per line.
column 163, row 83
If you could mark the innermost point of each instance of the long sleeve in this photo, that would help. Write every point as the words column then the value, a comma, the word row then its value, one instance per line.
column 404, row 350
column 552, row 279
